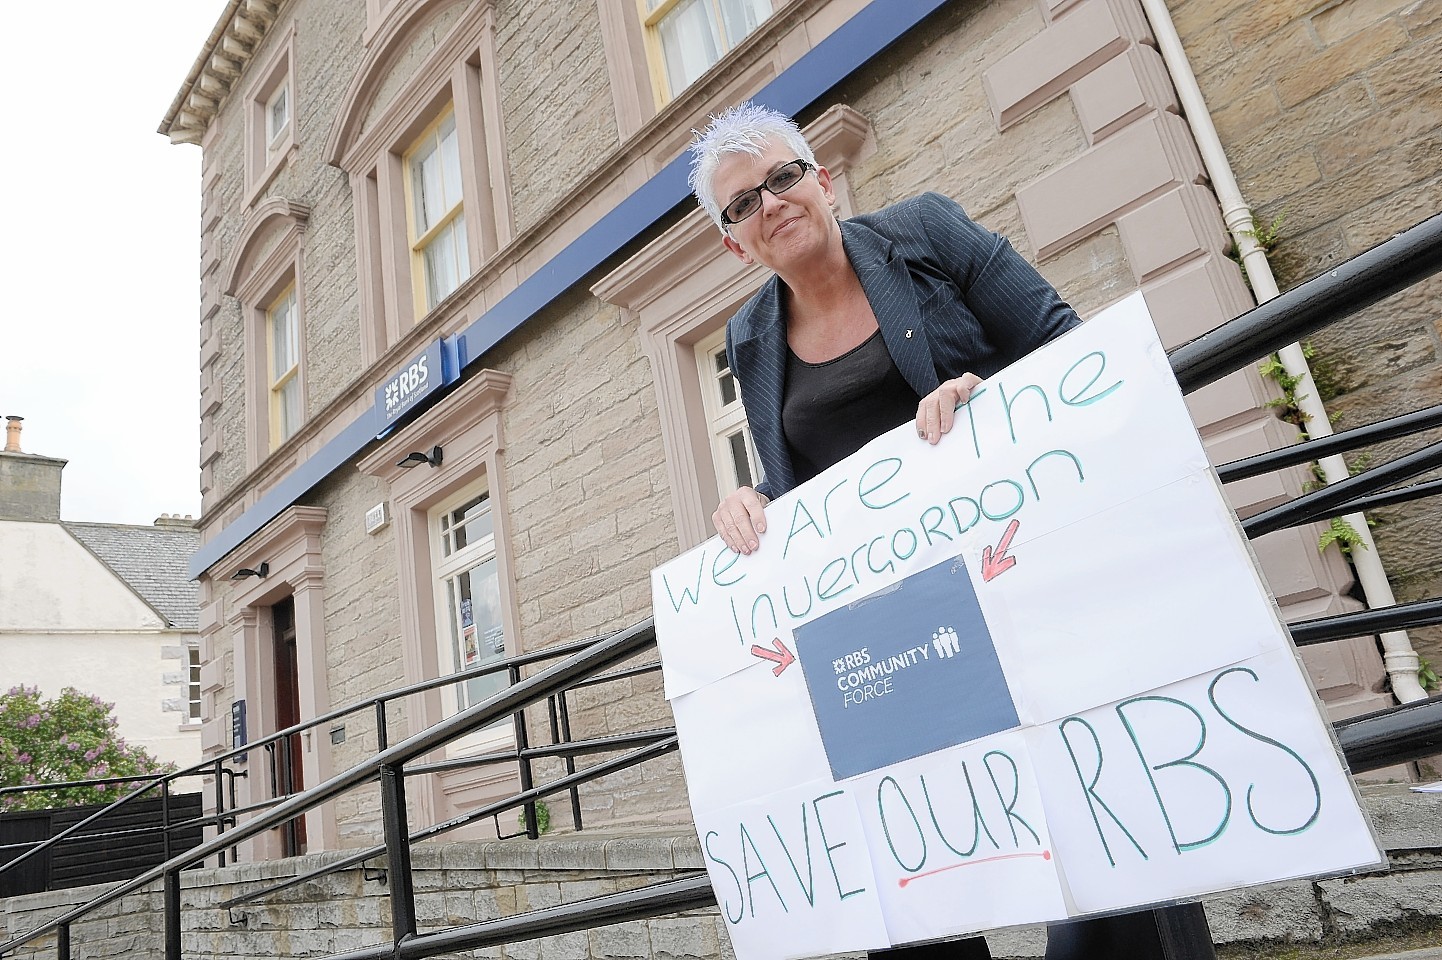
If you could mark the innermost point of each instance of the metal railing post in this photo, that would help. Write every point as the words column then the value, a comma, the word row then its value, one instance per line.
column 292, row 827
column 562, row 734
column 523, row 762
column 382, row 738
column 398, row 852
column 271, row 762
column 62, row 942
column 230, row 776
column 165, row 819
column 172, row 914
column 219, row 810
column 1184, row 932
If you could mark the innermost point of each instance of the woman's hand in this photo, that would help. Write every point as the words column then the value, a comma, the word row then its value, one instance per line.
column 937, row 410
column 740, row 519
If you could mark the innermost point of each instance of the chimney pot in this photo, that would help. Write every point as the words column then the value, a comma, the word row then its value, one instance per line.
column 12, row 434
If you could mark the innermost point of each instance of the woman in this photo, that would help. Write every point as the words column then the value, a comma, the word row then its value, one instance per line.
column 868, row 323
column 887, row 317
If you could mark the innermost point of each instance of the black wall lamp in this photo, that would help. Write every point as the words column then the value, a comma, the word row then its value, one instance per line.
column 417, row 457
column 245, row 572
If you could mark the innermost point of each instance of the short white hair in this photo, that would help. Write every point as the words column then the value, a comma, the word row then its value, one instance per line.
column 744, row 128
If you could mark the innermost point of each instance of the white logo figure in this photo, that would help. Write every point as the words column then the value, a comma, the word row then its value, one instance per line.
column 946, row 642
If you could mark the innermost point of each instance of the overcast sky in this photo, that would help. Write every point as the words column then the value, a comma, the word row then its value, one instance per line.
column 99, row 251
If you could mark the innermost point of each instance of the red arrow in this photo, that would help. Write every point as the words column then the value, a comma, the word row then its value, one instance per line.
column 780, row 656
column 995, row 562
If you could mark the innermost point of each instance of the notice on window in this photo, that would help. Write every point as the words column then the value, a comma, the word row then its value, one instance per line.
column 1028, row 674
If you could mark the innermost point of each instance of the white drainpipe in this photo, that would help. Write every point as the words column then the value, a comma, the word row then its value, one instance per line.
column 1400, row 659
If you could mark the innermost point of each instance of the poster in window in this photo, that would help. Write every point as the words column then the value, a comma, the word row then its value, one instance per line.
column 470, row 650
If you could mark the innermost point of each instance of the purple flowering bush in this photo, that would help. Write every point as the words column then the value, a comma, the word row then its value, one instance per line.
column 71, row 737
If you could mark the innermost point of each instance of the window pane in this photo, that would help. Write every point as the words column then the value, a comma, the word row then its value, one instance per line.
column 725, row 382
column 472, row 521
column 194, row 683
column 278, row 113
column 447, row 261
column 284, row 337
column 739, row 459
column 689, row 38
column 476, row 630
column 288, row 398
column 740, row 17
column 450, row 163
column 426, row 183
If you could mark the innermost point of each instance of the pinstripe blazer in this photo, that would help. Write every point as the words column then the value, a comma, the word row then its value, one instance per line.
column 950, row 296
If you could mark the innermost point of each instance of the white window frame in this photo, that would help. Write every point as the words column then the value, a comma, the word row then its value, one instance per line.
column 724, row 420
column 269, row 148
column 278, row 381
column 194, row 713
column 443, row 569
column 275, row 131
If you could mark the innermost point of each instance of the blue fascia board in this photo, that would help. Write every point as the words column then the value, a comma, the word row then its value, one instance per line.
column 849, row 48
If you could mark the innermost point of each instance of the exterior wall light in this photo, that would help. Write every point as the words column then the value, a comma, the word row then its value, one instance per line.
column 417, row 457
column 245, row 572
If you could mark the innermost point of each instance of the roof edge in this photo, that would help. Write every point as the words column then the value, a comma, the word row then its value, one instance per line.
column 218, row 68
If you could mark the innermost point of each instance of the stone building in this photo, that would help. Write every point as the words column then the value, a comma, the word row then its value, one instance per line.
column 106, row 608
column 462, row 383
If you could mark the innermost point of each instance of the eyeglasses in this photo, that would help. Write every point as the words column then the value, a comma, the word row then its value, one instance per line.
column 783, row 178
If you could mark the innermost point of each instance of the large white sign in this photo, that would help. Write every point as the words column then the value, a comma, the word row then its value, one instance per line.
column 1029, row 673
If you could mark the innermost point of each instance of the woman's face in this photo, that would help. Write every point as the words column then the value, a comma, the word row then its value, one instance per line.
column 788, row 228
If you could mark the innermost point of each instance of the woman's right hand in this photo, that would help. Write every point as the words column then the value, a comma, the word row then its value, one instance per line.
column 741, row 519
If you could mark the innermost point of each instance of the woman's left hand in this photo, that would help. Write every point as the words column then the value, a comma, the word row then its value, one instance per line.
column 937, row 410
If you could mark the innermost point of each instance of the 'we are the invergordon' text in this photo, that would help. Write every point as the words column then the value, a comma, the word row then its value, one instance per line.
column 756, row 613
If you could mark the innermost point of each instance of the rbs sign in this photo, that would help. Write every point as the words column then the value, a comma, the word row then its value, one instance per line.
column 411, row 384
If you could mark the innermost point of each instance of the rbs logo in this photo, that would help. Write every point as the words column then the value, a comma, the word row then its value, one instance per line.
column 414, row 379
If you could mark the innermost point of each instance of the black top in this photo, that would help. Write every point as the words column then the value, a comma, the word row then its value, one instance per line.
column 832, row 409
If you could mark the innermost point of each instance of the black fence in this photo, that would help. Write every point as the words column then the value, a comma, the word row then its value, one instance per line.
column 125, row 845
column 1398, row 735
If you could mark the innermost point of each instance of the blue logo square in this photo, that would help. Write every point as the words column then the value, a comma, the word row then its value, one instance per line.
column 906, row 671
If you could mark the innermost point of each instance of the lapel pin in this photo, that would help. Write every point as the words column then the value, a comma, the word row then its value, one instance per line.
column 908, row 334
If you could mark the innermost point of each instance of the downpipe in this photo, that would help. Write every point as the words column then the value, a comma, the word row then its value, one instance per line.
column 1398, row 655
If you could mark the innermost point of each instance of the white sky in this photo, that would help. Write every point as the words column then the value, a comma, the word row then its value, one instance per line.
column 100, row 251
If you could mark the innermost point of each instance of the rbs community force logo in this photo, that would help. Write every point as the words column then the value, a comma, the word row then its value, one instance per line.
column 858, row 658
column 860, row 679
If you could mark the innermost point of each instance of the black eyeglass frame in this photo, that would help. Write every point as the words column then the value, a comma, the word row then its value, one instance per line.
column 806, row 167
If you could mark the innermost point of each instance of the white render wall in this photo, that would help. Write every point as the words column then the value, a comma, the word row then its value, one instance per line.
column 67, row 620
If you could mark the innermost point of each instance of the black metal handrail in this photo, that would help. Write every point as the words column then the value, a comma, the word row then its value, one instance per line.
column 1402, row 425
column 648, row 745
column 594, row 658
column 1361, row 623
column 1372, row 276
column 1337, row 498
column 1395, row 735
column 212, row 766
